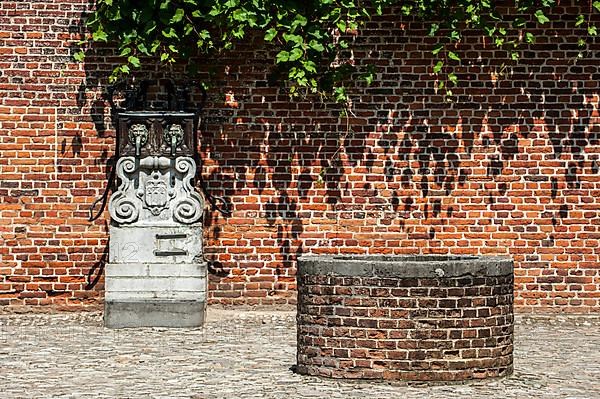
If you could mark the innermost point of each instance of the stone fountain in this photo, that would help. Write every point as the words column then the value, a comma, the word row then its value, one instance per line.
column 156, row 276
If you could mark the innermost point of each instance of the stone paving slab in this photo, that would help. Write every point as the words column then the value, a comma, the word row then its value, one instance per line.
column 248, row 354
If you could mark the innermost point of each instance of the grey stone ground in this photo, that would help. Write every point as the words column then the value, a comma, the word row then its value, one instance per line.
column 245, row 354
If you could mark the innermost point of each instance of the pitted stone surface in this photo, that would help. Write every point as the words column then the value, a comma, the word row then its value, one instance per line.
column 155, row 244
column 248, row 354
column 405, row 265
column 155, row 281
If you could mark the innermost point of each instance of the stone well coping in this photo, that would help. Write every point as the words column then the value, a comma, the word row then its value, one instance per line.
column 156, row 114
column 405, row 266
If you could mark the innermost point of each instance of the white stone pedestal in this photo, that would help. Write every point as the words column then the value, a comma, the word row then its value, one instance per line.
column 155, row 277
column 155, row 295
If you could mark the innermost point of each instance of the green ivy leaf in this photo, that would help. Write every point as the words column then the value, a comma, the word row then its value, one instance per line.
column 79, row 56
column 296, row 54
column 99, row 36
column 596, row 5
column 178, row 16
column 315, row 45
column 519, row 22
column 133, row 60
column 452, row 55
column 240, row 15
column 368, row 78
column 164, row 4
column 529, row 37
column 143, row 49
column 541, row 17
column 437, row 49
column 309, row 66
column 433, row 30
column 453, row 78
column 288, row 37
column 300, row 20
column 170, row 33
column 282, row 56
column 270, row 34
column 340, row 94
column 438, row 67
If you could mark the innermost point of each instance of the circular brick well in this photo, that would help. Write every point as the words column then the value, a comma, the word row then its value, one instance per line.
column 414, row 318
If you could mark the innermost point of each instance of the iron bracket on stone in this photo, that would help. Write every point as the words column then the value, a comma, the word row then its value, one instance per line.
column 170, row 252
column 170, row 236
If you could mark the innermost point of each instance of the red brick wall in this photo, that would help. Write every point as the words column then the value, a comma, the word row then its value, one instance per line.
column 511, row 166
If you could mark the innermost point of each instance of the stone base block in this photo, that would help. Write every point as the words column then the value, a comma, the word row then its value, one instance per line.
column 155, row 244
column 155, row 295
column 175, row 314
column 152, row 281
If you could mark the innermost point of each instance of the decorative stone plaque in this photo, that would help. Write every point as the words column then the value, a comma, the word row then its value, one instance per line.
column 156, row 190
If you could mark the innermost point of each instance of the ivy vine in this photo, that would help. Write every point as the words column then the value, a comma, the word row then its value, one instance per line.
column 309, row 35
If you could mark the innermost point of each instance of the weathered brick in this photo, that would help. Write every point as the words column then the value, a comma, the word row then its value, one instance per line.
column 510, row 166
column 424, row 339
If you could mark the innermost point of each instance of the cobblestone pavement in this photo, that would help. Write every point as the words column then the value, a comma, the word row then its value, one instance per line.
column 246, row 354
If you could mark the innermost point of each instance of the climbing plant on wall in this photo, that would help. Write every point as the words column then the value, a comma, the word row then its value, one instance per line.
column 311, row 36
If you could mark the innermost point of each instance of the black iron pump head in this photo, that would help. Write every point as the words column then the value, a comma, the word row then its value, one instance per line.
column 142, row 131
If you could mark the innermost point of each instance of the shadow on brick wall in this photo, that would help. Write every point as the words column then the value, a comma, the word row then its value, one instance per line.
column 503, row 166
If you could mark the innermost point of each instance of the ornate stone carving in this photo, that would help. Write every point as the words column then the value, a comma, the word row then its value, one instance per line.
column 160, row 133
column 188, row 209
column 156, row 194
column 138, row 130
column 156, row 191
column 122, row 207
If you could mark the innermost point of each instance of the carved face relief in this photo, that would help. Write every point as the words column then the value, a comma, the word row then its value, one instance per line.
column 174, row 133
column 138, row 130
